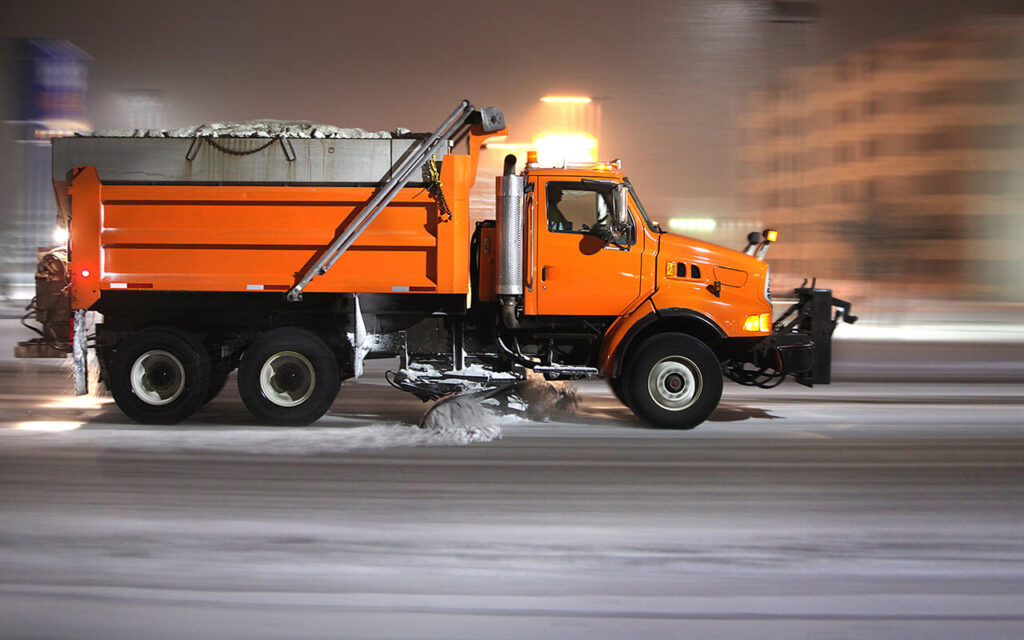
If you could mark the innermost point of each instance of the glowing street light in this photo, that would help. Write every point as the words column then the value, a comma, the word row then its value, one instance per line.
column 509, row 146
column 691, row 225
column 60, row 235
column 567, row 99
column 554, row 149
column 571, row 122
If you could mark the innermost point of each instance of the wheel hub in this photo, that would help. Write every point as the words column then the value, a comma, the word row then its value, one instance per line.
column 674, row 383
column 287, row 379
column 157, row 377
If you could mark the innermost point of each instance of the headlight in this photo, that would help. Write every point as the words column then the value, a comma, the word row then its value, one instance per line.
column 761, row 322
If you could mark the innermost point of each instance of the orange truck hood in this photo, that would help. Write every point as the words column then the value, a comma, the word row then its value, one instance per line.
column 673, row 247
column 729, row 287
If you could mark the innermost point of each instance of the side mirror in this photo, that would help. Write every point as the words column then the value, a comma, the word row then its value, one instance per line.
column 619, row 224
column 606, row 233
column 622, row 206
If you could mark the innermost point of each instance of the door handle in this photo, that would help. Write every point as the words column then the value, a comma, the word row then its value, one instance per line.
column 543, row 274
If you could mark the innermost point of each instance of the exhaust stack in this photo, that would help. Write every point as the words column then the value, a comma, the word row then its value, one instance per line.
column 510, row 242
column 510, row 232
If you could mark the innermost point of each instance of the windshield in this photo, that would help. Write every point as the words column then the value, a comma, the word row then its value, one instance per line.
column 643, row 212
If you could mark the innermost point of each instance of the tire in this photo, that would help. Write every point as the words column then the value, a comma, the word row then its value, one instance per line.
column 674, row 381
column 217, row 382
column 619, row 389
column 159, row 375
column 288, row 376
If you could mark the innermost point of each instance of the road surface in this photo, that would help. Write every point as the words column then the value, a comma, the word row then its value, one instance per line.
column 859, row 510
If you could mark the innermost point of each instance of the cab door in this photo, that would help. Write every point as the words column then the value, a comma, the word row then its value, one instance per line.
column 575, row 271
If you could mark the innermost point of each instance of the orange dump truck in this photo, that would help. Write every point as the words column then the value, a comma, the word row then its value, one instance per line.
column 294, row 259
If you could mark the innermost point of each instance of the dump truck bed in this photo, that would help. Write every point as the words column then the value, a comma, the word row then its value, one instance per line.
column 202, row 237
column 215, row 213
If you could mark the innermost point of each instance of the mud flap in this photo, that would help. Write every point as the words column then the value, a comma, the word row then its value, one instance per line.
column 79, row 353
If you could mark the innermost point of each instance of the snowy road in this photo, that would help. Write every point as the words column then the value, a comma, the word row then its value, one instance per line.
column 857, row 510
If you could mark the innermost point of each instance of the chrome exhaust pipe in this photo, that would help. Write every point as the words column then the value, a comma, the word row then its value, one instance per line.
column 510, row 242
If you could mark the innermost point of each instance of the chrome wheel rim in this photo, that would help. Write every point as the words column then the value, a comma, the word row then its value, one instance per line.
column 287, row 379
column 674, row 383
column 157, row 377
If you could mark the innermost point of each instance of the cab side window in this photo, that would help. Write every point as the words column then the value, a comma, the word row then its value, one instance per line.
column 581, row 207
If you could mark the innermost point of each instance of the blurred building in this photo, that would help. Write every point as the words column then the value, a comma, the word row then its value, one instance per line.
column 46, row 94
column 900, row 165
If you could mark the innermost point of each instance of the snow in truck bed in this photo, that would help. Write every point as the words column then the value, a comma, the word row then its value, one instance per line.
column 252, row 129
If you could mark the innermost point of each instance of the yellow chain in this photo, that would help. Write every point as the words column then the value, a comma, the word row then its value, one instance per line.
column 435, row 188
column 435, row 175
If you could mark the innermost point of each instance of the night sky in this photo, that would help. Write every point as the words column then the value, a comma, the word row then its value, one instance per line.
column 669, row 76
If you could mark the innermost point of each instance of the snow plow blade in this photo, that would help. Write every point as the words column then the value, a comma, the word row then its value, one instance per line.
column 800, row 344
column 803, row 335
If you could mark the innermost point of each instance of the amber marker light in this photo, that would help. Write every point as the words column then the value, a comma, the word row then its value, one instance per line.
column 771, row 235
column 567, row 99
column 758, row 323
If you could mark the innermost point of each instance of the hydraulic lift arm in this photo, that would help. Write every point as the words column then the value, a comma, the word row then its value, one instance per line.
column 491, row 119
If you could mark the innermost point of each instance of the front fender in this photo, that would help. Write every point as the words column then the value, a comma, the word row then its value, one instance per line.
column 647, row 320
column 642, row 314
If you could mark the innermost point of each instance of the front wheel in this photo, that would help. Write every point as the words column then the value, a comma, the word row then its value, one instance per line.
column 674, row 381
column 289, row 376
column 619, row 388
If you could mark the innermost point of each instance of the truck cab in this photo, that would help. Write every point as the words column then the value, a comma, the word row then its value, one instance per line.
column 605, row 291
column 590, row 258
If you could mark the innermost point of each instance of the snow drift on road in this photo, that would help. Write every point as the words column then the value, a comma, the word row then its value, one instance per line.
column 462, row 421
column 456, row 422
column 78, row 423
column 547, row 400
column 326, row 439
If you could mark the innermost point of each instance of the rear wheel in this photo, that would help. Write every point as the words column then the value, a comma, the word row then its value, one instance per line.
column 674, row 381
column 288, row 376
column 159, row 375
column 217, row 382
